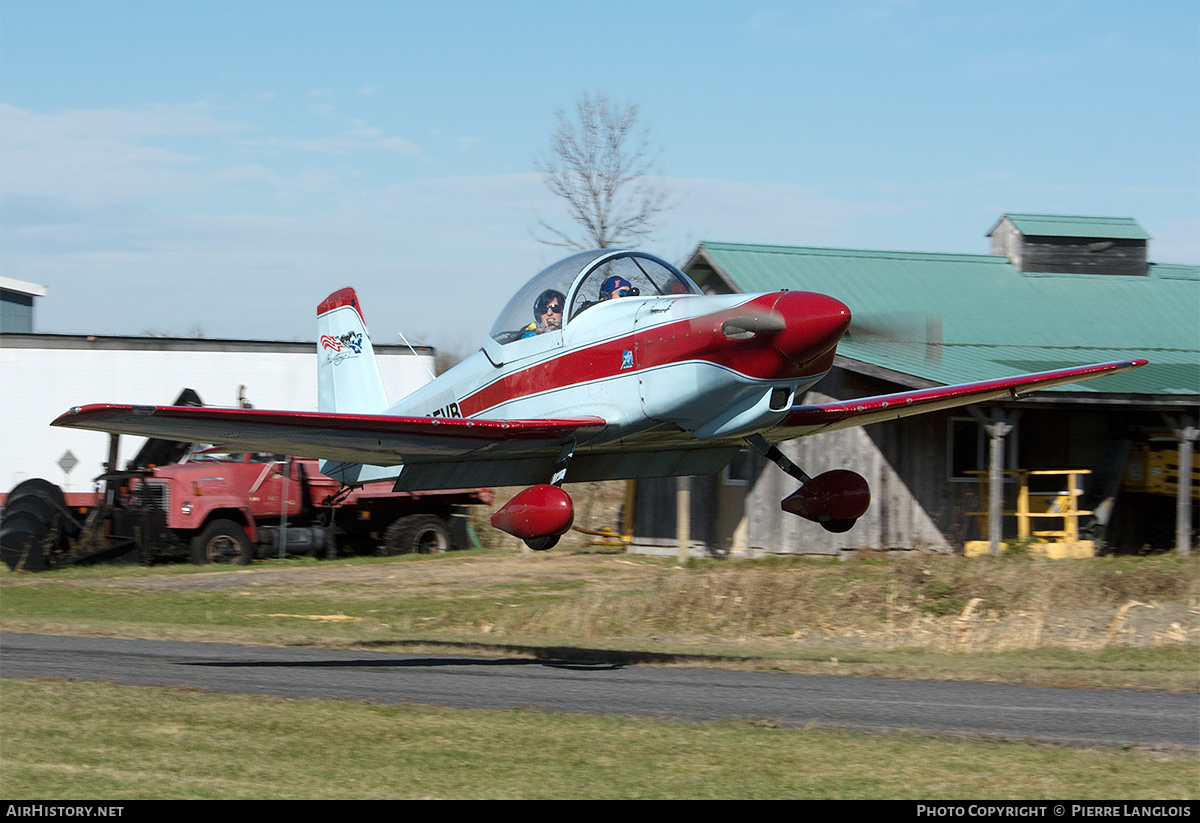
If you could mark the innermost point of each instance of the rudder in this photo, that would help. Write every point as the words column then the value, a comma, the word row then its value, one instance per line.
column 348, row 378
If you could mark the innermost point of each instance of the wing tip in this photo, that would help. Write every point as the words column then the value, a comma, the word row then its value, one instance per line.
column 74, row 415
column 80, row 416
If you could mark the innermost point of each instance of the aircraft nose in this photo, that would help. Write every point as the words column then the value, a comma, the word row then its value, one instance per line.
column 814, row 324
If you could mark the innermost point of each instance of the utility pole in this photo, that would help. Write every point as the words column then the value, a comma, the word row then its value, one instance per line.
column 998, row 425
column 1186, row 434
column 683, row 516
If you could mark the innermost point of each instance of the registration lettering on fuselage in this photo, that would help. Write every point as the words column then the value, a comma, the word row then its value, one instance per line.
column 446, row 411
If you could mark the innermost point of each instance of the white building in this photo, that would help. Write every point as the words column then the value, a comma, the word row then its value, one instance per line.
column 43, row 375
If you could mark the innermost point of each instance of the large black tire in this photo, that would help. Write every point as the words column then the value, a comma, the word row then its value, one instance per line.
column 222, row 541
column 34, row 503
column 416, row 534
column 35, row 526
column 23, row 539
column 39, row 486
column 46, row 499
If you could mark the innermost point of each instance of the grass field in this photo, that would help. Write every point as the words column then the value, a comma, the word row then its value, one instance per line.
column 100, row 741
column 1107, row 623
column 1104, row 623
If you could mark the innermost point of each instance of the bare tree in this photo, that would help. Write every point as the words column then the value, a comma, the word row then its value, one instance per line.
column 605, row 167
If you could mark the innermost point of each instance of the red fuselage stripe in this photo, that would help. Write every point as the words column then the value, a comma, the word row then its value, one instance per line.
column 698, row 339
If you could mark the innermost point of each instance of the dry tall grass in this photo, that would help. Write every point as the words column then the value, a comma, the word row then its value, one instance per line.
column 936, row 603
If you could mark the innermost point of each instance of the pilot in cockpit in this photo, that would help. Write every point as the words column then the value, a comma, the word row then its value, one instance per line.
column 547, row 313
column 615, row 287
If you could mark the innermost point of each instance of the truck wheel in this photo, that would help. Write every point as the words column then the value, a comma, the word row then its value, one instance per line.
column 222, row 541
column 23, row 539
column 416, row 533
column 42, row 487
column 46, row 501
column 35, row 526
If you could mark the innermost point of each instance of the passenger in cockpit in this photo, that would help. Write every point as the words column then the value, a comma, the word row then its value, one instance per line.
column 615, row 287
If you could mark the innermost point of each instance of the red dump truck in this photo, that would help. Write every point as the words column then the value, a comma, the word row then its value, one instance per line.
column 219, row 508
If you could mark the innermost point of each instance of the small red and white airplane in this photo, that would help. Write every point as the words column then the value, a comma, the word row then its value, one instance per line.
column 607, row 365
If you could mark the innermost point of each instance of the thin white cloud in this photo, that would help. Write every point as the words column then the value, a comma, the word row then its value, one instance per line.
column 165, row 152
column 110, row 153
column 357, row 138
column 398, row 145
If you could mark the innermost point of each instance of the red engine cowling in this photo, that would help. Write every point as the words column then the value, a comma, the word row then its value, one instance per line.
column 539, row 511
column 834, row 499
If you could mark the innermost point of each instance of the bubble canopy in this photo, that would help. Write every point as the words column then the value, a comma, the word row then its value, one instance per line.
column 578, row 280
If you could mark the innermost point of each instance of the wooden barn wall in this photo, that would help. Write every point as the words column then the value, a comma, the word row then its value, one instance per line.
column 1071, row 255
column 655, row 515
column 1077, row 255
column 913, row 506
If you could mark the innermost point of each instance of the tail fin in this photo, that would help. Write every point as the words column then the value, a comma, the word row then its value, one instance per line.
column 348, row 378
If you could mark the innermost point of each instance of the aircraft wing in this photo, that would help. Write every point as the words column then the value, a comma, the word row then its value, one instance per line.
column 373, row 439
column 844, row 414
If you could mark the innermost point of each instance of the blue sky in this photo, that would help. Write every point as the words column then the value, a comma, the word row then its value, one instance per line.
column 223, row 166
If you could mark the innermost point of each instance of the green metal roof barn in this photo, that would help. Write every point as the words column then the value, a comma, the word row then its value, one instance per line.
column 954, row 318
column 1055, row 291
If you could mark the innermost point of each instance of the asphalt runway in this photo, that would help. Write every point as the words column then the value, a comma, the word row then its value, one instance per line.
column 1070, row 716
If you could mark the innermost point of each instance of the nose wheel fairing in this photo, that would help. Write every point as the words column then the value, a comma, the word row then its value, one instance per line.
column 835, row 500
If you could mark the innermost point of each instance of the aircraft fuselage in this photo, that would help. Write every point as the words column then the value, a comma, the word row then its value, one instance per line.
column 690, row 364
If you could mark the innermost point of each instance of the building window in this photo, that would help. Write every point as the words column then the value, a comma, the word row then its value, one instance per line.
column 740, row 470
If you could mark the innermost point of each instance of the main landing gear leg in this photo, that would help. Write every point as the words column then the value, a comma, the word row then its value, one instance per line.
column 543, row 513
column 835, row 499
column 549, row 541
column 560, row 468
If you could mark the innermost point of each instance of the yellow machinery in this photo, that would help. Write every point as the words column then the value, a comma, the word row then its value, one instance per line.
column 1038, row 511
column 1153, row 468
